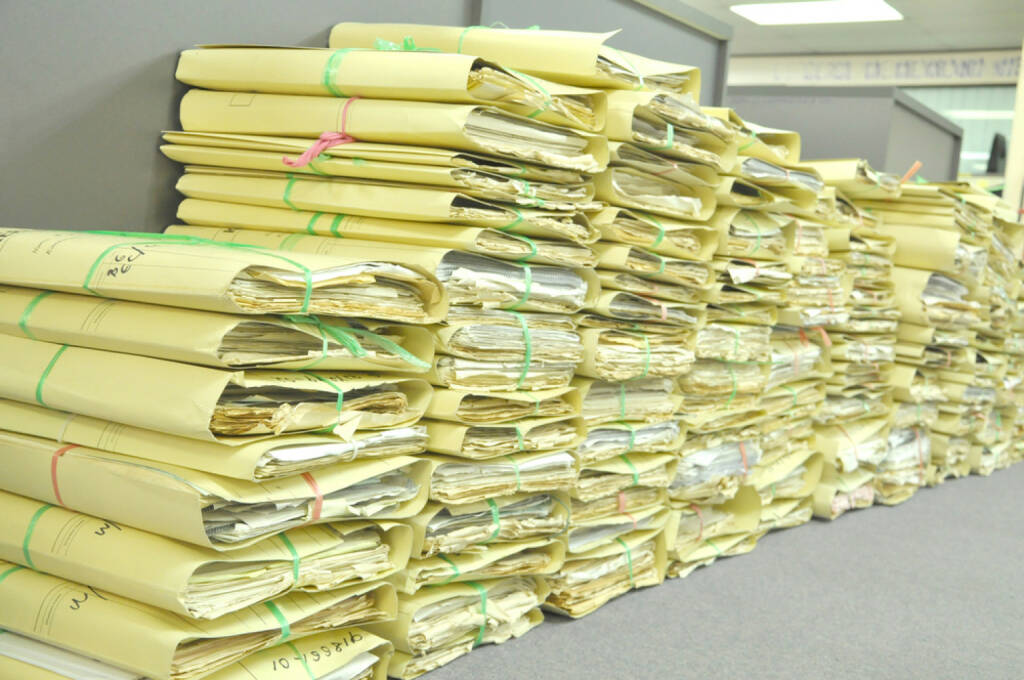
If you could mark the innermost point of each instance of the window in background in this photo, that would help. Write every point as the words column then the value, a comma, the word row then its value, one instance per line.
column 983, row 112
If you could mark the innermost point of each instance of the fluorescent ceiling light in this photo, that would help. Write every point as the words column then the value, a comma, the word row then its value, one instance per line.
column 817, row 12
column 980, row 114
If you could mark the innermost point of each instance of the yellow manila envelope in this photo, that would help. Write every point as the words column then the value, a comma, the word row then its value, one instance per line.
column 631, row 188
column 193, row 581
column 435, row 619
column 768, row 476
column 650, row 400
column 182, row 271
column 168, row 646
column 492, row 408
column 681, row 172
column 573, row 231
column 453, row 126
column 798, row 184
column 757, row 141
column 658, row 234
column 589, row 580
column 204, row 509
column 925, row 247
column 479, row 442
column 204, row 403
column 212, row 338
column 585, row 536
column 572, row 57
column 392, row 201
column 637, row 285
column 249, row 458
column 697, row 523
column 613, row 439
column 608, row 477
column 389, row 73
column 856, row 178
column 476, row 183
column 469, row 279
column 631, row 119
column 472, row 527
column 618, row 355
column 839, row 492
column 459, row 481
column 535, row 557
column 351, row 651
column 484, row 241
column 634, row 259
column 364, row 156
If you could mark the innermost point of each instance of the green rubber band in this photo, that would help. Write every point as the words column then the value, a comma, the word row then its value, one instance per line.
column 519, row 438
column 359, row 161
column 527, row 352
column 708, row 541
column 331, row 71
column 462, row 36
column 632, row 442
column 647, row 358
column 527, row 286
column 661, row 229
column 864, row 405
column 622, row 401
column 28, row 534
column 483, row 610
column 670, row 138
column 536, row 403
column 736, row 343
column 636, row 473
column 455, row 570
column 46, row 374
column 735, row 386
column 335, row 223
column 288, row 242
column 793, row 392
column 23, row 321
column 661, row 267
column 495, row 519
column 389, row 345
column 316, row 170
column 295, row 556
column 528, row 241
column 522, row 169
column 547, row 95
column 515, row 468
column 286, row 629
column 341, row 392
column 568, row 514
column 629, row 560
column 287, row 195
column 757, row 246
column 342, row 335
column 312, row 221
column 9, row 572
column 753, row 140
column 772, row 488
column 516, row 221
column 302, row 659
column 639, row 75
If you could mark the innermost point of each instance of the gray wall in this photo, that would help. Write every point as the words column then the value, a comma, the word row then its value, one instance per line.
column 86, row 86
column 882, row 124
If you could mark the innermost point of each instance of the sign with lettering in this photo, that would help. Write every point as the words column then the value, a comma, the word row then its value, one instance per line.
column 993, row 67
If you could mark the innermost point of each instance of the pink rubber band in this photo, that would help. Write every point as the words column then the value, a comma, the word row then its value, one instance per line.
column 53, row 471
column 326, row 141
column 318, row 504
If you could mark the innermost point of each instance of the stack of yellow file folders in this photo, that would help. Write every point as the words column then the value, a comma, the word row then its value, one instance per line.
column 206, row 459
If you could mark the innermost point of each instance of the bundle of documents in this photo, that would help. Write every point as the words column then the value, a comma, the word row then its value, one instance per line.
column 456, row 325
column 343, row 654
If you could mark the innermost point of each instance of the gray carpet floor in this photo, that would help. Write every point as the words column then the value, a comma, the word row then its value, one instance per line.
column 933, row 588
